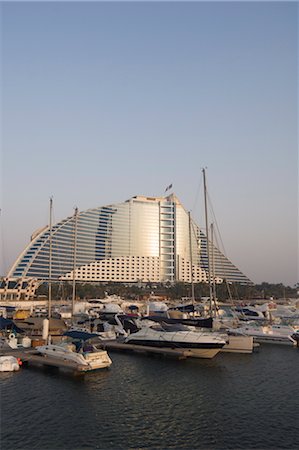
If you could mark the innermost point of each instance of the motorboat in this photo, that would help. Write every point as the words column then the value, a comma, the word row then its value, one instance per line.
column 249, row 313
column 268, row 334
column 78, row 351
column 234, row 344
column 109, row 310
column 118, row 326
column 101, row 330
column 9, row 364
column 199, row 344
column 286, row 314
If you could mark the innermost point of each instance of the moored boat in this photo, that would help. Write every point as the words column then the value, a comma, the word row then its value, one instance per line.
column 9, row 364
column 198, row 344
column 268, row 334
column 79, row 351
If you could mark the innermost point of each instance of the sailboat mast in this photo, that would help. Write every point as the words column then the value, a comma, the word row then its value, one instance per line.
column 75, row 259
column 50, row 260
column 208, row 241
column 213, row 260
column 191, row 260
column 213, row 268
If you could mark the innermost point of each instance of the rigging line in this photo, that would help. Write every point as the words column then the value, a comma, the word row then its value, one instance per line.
column 195, row 230
column 217, row 227
column 221, row 263
column 60, row 261
column 196, row 233
column 197, row 193
column 220, row 258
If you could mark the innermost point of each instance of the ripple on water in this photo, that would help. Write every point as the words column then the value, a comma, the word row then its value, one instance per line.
column 230, row 402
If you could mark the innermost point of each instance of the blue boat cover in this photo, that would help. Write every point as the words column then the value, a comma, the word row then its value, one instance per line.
column 188, row 308
column 81, row 335
column 7, row 323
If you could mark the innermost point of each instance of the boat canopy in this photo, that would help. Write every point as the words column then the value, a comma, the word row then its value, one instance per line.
column 185, row 308
column 81, row 335
column 6, row 323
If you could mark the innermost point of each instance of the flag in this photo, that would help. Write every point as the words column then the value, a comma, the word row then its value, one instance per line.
column 168, row 187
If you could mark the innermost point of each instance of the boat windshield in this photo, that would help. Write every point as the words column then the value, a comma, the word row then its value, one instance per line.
column 89, row 348
column 174, row 327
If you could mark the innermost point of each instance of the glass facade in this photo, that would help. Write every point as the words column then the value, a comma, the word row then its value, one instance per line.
column 142, row 239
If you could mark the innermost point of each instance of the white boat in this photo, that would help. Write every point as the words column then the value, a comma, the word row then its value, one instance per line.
column 268, row 334
column 65, row 312
column 9, row 364
column 79, row 351
column 198, row 344
column 92, row 358
column 250, row 313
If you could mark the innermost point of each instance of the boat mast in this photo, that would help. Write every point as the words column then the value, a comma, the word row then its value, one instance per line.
column 75, row 259
column 213, row 261
column 50, row 260
column 213, row 269
column 208, row 242
column 191, row 260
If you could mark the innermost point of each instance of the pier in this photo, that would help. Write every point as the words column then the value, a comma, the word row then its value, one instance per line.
column 31, row 357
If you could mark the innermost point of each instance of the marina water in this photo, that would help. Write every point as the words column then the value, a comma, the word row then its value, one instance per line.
column 230, row 402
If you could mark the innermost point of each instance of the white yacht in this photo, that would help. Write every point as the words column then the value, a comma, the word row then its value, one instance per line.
column 199, row 344
column 268, row 334
column 9, row 364
column 250, row 313
column 78, row 351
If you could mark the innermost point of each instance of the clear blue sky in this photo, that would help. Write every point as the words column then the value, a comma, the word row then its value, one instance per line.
column 103, row 101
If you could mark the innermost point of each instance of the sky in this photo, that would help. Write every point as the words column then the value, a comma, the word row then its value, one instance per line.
column 104, row 101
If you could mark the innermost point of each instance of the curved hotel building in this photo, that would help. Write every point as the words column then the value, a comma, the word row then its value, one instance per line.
column 142, row 239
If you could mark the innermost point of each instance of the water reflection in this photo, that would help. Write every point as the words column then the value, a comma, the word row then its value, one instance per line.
column 232, row 401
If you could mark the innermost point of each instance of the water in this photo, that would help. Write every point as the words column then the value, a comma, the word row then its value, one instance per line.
column 229, row 402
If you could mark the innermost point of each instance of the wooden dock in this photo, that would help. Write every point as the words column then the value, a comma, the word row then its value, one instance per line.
column 31, row 356
column 122, row 347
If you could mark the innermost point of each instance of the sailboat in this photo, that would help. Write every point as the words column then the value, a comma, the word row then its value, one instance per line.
column 235, row 343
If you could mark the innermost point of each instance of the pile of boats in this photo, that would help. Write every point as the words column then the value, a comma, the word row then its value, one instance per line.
column 183, row 328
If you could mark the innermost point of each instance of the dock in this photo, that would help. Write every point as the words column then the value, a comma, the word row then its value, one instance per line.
column 31, row 356
column 142, row 349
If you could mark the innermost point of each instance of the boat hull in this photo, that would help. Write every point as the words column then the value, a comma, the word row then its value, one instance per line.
column 274, row 340
column 195, row 350
column 90, row 361
column 267, row 337
column 207, row 353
